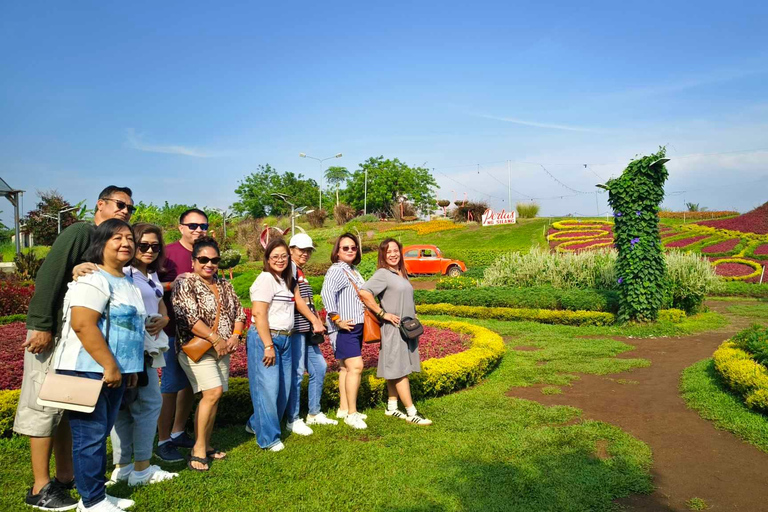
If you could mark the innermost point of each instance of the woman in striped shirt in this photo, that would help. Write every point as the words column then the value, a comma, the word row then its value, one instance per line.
column 345, row 317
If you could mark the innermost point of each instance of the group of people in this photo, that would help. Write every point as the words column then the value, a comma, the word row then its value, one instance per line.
column 114, row 304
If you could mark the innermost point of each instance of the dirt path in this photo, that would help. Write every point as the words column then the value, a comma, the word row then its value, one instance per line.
column 690, row 457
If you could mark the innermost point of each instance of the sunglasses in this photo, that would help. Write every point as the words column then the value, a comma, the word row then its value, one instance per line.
column 194, row 225
column 349, row 248
column 205, row 259
column 121, row 205
column 158, row 291
column 146, row 246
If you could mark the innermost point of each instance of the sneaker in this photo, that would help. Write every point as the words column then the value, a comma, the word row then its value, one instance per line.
column 169, row 453
column 341, row 414
column 152, row 475
column 121, row 503
column 183, row 440
column 51, row 497
column 396, row 413
column 355, row 421
column 299, row 427
column 102, row 506
column 418, row 419
column 249, row 429
column 120, row 475
column 278, row 447
column 320, row 419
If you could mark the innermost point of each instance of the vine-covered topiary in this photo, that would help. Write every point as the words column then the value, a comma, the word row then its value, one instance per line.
column 635, row 197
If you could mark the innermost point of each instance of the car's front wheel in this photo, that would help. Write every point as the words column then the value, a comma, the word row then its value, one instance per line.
column 454, row 271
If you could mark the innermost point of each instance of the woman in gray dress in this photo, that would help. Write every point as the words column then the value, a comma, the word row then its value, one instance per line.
column 398, row 357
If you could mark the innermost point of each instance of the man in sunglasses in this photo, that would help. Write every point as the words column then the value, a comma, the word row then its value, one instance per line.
column 178, row 398
column 46, row 427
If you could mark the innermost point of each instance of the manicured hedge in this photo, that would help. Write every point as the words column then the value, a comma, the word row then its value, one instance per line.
column 742, row 374
column 12, row 318
column 741, row 289
column 540, row 297
column 544, row 316
column 437, row 377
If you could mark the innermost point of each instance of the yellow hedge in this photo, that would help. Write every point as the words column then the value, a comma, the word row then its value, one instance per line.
column 576, row 224
column 757, row 268
column 743, row 375
column 437, row 377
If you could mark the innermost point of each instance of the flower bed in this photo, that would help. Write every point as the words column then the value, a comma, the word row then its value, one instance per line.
column 725, row 246
column 581, row 245
column 12, row 354
column 15, row 297
column 425, row 228
column 685, row 241
column 755, row 221
column 578, row 235
column 737, row 269
column 761, row 250
column 697, row 215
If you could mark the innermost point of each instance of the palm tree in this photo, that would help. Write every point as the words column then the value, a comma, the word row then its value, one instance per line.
column 336, row 175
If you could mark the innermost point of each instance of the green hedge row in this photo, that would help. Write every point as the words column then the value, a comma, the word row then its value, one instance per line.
column 12, row 318
column 542, row 297
column 741, row 289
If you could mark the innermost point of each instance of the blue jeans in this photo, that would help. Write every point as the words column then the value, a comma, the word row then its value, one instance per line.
column 174, row 379
column 269, row 387
column 89, row 440
column 136, row 425
column 310, row 358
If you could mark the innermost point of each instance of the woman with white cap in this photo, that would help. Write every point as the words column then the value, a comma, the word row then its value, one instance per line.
column 305, row 355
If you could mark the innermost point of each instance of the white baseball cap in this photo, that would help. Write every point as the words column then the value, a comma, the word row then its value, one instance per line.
column 301, row 241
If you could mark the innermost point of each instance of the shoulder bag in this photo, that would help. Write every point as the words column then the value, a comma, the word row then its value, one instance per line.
column 411, row 328
column 371, row 325
column 69, row 392
column 197, row 346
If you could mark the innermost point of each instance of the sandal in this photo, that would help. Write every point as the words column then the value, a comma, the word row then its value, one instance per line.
column 201, row 460
column 212, row 454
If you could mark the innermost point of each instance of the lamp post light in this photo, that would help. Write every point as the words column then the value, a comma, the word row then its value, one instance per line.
column 321, row 160
column 224, row 217
column 58, row 216
column 293, row 209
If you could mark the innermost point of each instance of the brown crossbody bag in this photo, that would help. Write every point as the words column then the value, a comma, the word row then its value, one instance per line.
column 197, row 346
column 371, row 324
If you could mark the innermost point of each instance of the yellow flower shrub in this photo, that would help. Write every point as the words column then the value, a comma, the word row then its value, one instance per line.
column 743, row 375
column 425, row 228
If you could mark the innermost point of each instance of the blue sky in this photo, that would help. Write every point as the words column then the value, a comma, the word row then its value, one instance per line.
column 180, row 100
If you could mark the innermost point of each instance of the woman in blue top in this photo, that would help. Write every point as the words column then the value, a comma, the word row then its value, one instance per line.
column 102, row 338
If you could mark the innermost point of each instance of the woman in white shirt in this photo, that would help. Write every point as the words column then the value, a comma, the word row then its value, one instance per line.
column 136, row 424
column 269, row 346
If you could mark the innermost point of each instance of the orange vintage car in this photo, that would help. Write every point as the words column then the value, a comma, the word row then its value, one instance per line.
column 427, row 259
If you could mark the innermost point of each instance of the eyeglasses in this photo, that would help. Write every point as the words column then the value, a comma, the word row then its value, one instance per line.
column 205, row 259
column 146, row 246
column 121, row 205
column 349, row 248
column 278, row 257
column 194, row 225
column 158, row 291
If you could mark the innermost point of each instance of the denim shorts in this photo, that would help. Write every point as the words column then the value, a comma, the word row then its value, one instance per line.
column 174, row 379
column 349, row 343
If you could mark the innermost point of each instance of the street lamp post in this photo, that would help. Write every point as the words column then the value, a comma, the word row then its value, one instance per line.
column 58, row 216
column 365, row 194
column 321, row 160
column 293, row 209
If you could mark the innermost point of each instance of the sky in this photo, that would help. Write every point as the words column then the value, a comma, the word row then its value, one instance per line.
column 544, row 100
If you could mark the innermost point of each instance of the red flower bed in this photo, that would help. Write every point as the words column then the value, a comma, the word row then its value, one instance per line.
column 733, row 269
column 686, row 241
column 668, row 233
column 761, row 250
column 15, row 297
column 587, row 244
column 434, row 343
column 724, row 246
column 573, row 234
column 12, row 354
column 755, row 221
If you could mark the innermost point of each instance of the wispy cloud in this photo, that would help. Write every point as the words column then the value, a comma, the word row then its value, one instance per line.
column 135, row 141
column 536, row 124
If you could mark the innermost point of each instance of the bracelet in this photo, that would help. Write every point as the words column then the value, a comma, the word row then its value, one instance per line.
column 334, row 318
column 270, row 346
column 381, row 314
column 209, row 335
column 216, row 341
column 237, row 333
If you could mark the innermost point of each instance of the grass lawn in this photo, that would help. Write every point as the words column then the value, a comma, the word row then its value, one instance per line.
column 8, row 251
column 486, row 451
column 756, row 311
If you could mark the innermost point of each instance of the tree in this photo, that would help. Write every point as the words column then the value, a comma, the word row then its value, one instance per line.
column 42, row 222
column 336, row 175
column 255, row 189
column 388, row 181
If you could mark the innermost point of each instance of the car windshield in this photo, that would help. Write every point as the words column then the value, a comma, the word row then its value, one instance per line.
column 438, row 253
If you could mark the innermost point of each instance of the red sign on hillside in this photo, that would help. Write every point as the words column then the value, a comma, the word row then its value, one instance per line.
column 492, row 219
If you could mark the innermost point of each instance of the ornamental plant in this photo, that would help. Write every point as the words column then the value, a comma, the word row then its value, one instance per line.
column 635, row 197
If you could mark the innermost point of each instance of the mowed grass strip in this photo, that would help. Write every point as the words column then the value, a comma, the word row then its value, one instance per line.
column 486, row 451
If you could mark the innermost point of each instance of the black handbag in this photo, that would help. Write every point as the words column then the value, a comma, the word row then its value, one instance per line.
column 314, row 338
column 411, row 328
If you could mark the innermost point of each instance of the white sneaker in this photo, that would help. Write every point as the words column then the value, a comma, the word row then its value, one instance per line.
column 154, row 474
column 355, row 421
column 418, row 419
column 320, row 419
column 102, row 506
column 121, row 503
column 299, row 427
column 120, row 474
column 396, row 413
column 278, row 447
column 341, row 414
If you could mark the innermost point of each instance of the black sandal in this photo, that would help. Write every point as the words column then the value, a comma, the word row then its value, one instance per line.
column 210, row 454
column 201, row 460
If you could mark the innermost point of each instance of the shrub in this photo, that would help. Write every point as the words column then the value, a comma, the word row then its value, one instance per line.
column 15, row 297
column 8, row 400
column 477, row 257
column 475, row 272
column 689, row 278
column 544, row 316
column 369, row 218
column 317, row 218
column 343, row 213
column 544, row 297
column 27, row 264
column 527, row 210
column 317, row 267
column 9, row 319
column 456, row 283
column 755, row 341
column 229, row 259
column 743, row 375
